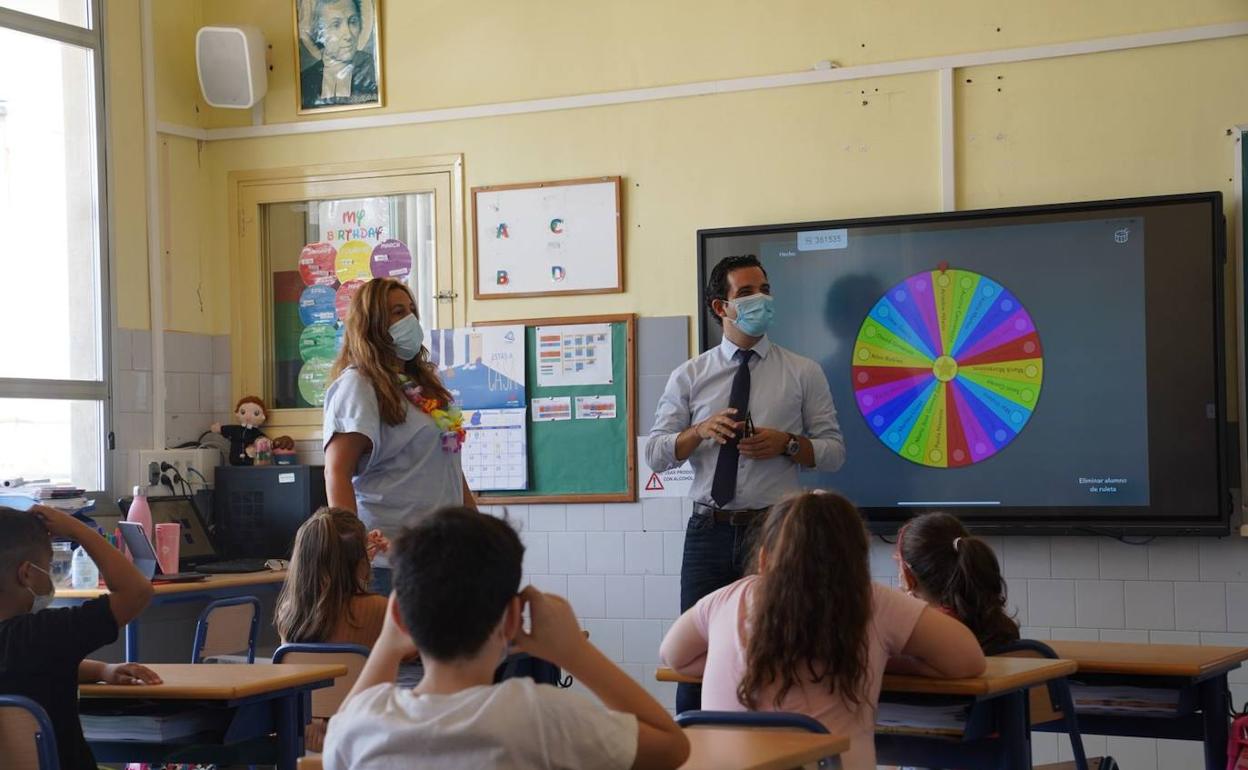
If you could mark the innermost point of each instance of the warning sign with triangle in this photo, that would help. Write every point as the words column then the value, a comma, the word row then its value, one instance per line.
column 655, row 483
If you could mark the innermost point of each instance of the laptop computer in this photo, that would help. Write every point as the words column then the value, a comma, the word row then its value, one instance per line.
column 144, row 556
column 197, row 551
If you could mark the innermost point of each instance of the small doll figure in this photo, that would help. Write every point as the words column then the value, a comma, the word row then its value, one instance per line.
column 252, row 413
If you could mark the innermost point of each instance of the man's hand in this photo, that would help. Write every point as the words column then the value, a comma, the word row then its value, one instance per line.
column 764, row 444
column 129, row 673
column 57, row 522
column 719, row 427
column 554, row 634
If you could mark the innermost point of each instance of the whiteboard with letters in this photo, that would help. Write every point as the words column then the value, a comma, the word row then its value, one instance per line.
column 548, row 238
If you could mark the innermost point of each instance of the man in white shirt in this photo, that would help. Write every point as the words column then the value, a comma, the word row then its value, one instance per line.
column 455, row 599
column 747, row 415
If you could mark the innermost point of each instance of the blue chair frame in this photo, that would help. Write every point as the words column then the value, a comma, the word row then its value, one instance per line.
column 315, row 647
column 1059, row 694
column 45, row 739
column 772, row 719
column 201, row 627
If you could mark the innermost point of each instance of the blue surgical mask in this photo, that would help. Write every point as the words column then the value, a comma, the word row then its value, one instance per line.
column 42, row 601
column 754, row 314
column 408, row 336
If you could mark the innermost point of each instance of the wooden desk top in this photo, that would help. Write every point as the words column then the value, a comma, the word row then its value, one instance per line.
column 1002, row 675
column 737, row 748
column 189, row 681
column 754, row 748
column 208, row 584
column 1149, row 659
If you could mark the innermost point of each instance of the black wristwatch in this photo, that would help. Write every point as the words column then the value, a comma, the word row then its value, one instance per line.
column 793, row 447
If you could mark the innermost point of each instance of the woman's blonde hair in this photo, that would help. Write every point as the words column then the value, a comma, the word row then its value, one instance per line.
column 368, row 346
column 324, row 576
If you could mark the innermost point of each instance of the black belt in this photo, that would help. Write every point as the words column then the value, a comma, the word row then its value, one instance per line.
column 738, row 518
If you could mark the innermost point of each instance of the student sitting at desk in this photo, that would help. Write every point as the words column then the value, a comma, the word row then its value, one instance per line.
column 810, row 633
column 42, row 650
column 455, row 599
column 325, row 597
column 940, row 563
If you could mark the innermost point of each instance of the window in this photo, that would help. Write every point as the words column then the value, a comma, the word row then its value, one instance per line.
column 317, row 254
column 306, row 238
column 54, row 316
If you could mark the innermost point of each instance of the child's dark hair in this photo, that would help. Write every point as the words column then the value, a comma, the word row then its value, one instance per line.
column 812, row 604
column 959, row 572
column 717, row 284
column 325, row 575
column 22, row 538
column 455, row 571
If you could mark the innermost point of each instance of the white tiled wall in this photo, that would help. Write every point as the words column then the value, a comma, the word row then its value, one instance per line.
column 620, row 568
column 197, row 382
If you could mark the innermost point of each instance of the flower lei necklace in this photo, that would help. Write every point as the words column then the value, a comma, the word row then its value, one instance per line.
column 446, row 416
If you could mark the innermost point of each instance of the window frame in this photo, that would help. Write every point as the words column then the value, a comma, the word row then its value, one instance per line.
column 251, row 312
column 91, row 39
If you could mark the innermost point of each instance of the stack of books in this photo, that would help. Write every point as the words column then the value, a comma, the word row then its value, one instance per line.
column 66, row 497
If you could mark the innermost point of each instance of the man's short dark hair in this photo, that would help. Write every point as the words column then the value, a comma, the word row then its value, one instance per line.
column 717, row 284
column 454, row 574
column 22, row 538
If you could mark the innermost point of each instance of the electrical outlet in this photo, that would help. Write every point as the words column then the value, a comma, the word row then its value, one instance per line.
column 195, row 466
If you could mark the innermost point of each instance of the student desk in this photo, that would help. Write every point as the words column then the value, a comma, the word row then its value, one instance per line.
column 736, row 748
column 1197, row 671
column 212, row 588
column 265, row 712
column 1000, row 694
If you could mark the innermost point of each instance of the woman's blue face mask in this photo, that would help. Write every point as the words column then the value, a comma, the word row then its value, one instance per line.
column 754, row 314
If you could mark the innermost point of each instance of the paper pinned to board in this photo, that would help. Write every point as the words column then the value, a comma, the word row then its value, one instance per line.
column 595, row 407
column 552, row 409
column 574, row 355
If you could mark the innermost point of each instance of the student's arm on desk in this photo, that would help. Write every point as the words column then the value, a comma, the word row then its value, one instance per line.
column 128, row 591
column 940, row 646
column 342, row 457
column 93, row 671
column 555, row 636
column 684, row 648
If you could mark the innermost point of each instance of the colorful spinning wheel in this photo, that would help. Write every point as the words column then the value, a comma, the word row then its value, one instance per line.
column 947, row 368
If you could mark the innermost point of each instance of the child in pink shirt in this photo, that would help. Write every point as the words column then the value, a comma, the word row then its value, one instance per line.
column 810, row 633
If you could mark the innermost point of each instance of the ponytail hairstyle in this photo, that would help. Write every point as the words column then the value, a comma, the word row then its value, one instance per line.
column 325, row 575
column 368, row 346
column 811, row 606
column 959, row 572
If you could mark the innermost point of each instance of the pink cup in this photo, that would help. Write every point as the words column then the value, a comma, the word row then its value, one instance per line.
column 168, row 537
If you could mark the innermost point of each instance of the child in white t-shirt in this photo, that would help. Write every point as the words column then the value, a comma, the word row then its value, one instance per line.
column 455, row 600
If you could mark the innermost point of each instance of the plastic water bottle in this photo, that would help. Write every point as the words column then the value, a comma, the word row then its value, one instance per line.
column 83, row 572
column 141, row 513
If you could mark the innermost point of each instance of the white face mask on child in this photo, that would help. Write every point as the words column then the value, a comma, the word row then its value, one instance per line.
column 42, row 601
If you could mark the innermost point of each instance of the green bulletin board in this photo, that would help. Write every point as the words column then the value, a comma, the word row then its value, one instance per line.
column 580, row 461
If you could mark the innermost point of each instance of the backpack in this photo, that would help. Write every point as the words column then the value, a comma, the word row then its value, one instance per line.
column 1237, row 744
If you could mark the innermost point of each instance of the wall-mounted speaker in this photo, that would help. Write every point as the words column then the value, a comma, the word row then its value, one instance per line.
column 231, row 64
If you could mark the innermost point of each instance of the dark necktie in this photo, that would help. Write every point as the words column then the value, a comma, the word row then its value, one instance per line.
column 724, row 484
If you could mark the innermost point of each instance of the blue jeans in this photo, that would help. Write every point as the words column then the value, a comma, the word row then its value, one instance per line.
column 716, row 554
column 382, row 581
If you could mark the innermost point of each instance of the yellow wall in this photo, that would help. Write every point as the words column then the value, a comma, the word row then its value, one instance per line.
column 128, row 223
column 1106, row 125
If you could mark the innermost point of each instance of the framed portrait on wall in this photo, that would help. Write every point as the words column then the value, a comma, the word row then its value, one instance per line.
column 338, row 55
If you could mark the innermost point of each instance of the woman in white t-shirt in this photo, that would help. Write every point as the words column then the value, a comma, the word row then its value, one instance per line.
column 810, row 633
column 391, row 433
